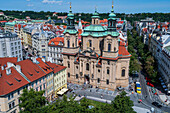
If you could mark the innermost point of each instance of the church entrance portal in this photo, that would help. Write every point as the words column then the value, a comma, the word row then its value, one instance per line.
column 86, row 79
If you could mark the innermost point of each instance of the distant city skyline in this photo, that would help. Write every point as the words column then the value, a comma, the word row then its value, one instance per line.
column 88, row 6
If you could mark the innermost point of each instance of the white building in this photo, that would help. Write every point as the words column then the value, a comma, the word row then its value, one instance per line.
column 55, row 48
column 164, row 66
column 40, row 41
column 10, row 45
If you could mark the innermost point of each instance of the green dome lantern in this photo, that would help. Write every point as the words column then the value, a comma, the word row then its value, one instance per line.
column 95, row 14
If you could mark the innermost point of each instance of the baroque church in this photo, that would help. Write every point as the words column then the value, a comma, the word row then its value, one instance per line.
column 102, row 60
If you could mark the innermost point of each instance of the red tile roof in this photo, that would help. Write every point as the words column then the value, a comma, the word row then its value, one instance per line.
column 3, row 61
column 9, row 83
column 3, row 21
column 122, row 50
column 56, row 68
column 32, row 73
column 44, row 66
column 56, row 41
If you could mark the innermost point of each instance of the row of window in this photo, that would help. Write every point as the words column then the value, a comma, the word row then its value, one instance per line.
column 15, row 43
column 108, row 71
column 55, row 49
column 50, row 82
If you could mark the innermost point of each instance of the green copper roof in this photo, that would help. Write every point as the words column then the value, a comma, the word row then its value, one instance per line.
column 14, row 22
column 70, row 15
column 95, row 14
column 113, row 33
column 70, row 31
column 37, row 21
column 94, row 34
column 95, row 28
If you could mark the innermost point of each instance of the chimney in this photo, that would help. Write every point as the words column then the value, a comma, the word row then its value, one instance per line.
column 8, row 71
column 33, row 59
column 18, row 68
column 43, row 59
column 2, row 67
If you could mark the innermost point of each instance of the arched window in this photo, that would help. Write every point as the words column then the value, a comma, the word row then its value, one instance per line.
column 90, row 43
column 68, row 74
column 108, row 71
column 110, row 23
column 68, row 43
column 114, row 48
column 107, row 81
column 123, row 72
column 109, row 47
column 87, row 67
column 98, row 80
column 77, row 76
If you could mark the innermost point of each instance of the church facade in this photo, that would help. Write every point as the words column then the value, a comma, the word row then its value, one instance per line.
column 102, row 60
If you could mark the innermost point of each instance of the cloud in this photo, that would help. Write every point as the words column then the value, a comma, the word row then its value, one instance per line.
column 30, row 5
column 27, row 0
column 52, row 2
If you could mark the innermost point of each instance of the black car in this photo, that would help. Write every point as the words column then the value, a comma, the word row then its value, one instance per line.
column 156, row 104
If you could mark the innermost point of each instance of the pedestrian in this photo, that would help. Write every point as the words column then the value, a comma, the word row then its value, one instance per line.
column 101, row 96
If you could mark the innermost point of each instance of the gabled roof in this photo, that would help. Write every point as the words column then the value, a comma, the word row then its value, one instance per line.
column 3, row 61
column 56, row 41
column 122, row 50
column 31, row 71
column 44, row 66
column 12, row 82
column 56, row 68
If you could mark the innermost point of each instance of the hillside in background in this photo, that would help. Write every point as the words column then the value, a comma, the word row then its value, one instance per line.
column 86, row 16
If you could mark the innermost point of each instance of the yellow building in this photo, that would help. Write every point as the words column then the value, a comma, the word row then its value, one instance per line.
column 60, row 79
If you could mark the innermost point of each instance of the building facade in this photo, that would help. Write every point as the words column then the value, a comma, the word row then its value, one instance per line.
column 55, row 49
column 16, row 76
column 10, row 45
column 102, row 60
column 40, row 41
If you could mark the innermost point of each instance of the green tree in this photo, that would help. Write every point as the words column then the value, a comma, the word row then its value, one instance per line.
column 149, row 67
column 123, row 104
column 32, row 101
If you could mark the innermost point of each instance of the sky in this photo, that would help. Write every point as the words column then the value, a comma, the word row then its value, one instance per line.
column 88, row 6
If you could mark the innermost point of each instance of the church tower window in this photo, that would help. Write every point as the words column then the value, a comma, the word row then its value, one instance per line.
column 68, row 43
column 109, row 47
column 87, row 67
column 123, row 72
column 90, row 44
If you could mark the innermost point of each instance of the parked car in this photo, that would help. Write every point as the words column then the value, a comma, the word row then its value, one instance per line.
column 147, row 79
column 156, row 104
column 70, row 90
column 150, row 84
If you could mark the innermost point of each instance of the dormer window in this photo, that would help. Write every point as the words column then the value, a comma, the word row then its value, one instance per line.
column 9, row 83
column 19, row 80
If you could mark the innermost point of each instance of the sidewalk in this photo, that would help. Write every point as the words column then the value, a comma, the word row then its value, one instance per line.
column 141, row 110
column 164, row 98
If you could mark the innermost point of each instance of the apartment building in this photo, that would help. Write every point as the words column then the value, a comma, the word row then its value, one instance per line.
column 16, row 76
column 10, row 45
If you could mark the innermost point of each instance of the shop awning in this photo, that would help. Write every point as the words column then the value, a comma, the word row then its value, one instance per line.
column 60, row 93
column 64, row 90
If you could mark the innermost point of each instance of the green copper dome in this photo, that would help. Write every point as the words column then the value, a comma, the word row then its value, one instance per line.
column 95, row 28
column 95, row 31
column 95, row 14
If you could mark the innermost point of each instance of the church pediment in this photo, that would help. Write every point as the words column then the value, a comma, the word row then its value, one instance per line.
column 89, row 52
